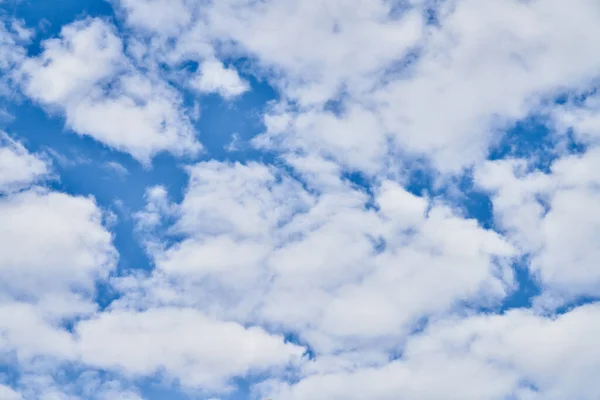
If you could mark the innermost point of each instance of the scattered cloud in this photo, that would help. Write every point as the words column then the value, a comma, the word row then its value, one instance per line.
column 86, row 75
column 363, row 244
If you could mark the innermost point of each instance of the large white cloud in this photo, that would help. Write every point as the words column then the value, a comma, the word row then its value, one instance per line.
column 445, row 90
column 213, row 77
column 197, row 350
column 518, row 355
column 55, row 249
column 258, row 247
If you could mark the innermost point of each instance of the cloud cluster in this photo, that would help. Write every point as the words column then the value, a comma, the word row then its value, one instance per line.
column 56, row 248
column 443, row 86
column 259, row 247
column 323, row 272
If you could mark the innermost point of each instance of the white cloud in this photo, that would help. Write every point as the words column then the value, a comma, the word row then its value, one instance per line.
column 257, row 247
column 552, row 217
column 213, row 77
column 7, row 393
column 197, row 350
column 55, row 284
column 18, row 168
column 72, row 247
column 583, row 118
column 314, row 45
column 518, row 355
column 482, row 66
column 86, row 75
column 353, row 139
column 87, row 53
column 54, row 249
column 255, row 251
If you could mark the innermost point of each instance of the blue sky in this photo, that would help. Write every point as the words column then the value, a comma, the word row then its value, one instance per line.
column 341, row 200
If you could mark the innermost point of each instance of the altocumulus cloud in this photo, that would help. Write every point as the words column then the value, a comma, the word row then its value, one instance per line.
column 411, row 212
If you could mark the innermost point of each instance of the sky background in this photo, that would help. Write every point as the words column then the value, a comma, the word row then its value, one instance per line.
column 235, row 199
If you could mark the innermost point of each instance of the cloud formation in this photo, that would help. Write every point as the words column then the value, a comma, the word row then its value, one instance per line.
column 374, row 241
column 86, row 75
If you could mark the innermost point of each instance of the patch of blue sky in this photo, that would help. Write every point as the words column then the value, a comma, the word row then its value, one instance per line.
column 295, row 339
column 532, row 139
column 526, row 290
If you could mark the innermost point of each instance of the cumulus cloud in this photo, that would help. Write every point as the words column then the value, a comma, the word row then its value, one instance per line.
column 55, row 284
column 445, row 89
column 518, row 355
column 320, row 271
column 72, row 247
column 55, row 248
column 213, row 77
column 258, row 247
column 86, row 75
column 9, row 394
column 551, row 217
column 13, row 35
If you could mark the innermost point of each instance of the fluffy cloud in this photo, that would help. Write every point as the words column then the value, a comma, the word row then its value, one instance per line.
column 55, row 284
column 379, row 290
column 86, row 74
column 551, row 217
column 258, row 247
column 213, row 77
column 439, row 79
column 54, row 249
column 167, row 17
column 519, row 355
column 581, row 117
column 196, row 350
column 72, row 246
